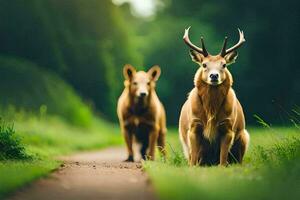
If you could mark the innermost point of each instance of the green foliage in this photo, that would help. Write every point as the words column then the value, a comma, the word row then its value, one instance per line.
column 84, row 42
column 26, row 86
column 10, row 144
column 87, row 43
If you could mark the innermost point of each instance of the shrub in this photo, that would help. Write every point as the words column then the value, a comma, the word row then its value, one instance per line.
column 10, row 145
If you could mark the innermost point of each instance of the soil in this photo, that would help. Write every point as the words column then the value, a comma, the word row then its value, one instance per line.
column 91, row 175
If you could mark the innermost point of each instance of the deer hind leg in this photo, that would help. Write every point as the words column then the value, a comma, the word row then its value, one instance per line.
column 226, row 144
column 239, row 147
column 245, row 140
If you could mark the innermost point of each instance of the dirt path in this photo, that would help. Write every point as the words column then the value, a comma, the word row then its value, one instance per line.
column 93, row 175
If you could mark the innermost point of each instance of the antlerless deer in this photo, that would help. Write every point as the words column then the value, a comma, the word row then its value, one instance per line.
column 141, row 114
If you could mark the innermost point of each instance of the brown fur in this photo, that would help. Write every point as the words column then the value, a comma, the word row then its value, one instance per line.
column 142, row 121
column 212, row 124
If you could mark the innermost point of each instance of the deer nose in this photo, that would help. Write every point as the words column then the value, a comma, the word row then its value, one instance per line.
column 214, row 77
column 143, row 94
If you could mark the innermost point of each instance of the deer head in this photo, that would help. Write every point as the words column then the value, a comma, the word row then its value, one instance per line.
column 141, row 83
column 213, row 67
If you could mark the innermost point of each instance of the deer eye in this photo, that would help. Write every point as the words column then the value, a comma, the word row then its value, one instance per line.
column 204, row 65
column 134, row 83
column 224, row 65
column 148, row 83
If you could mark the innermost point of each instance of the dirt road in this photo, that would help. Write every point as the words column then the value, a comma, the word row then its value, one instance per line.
column 93, row 175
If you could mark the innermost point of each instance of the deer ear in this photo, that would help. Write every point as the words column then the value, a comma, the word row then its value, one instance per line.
column 128, row 71
column 154, row 72
column 196, row 57
column 231, row 57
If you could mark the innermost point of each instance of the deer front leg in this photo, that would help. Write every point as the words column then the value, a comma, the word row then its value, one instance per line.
column 195, row 154
column 226, row 143
column 153, row 136
column 128, row 136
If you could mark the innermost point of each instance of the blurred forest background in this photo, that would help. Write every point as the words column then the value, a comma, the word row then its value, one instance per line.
column 65, row 57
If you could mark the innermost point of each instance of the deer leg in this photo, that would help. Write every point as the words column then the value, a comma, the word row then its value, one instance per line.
column 161, row 142
column 153, row 136
column 239, row 147
column 244, row 140
column 128, row 136
column 226, row 143
column 195, row 150
column 128, row 140
column 144, row 149
column 195, row 153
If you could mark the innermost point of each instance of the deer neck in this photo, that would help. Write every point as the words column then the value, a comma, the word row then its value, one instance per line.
column 139, row 107
column 212, row 99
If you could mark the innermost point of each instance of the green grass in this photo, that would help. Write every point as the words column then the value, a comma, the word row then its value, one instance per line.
column 57, row 137
column 14, row 174
column 271, row 170
column 45, row 138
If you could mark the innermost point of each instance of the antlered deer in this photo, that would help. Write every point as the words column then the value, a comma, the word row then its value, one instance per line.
column 212, row 124
column 141, row 114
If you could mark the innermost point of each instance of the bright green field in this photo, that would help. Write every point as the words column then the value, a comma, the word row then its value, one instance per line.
column 271, row 170
column 45, row 139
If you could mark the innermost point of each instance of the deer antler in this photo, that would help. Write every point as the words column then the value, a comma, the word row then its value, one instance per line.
column 223, row 51
column 236, row 46
column 186, row 39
